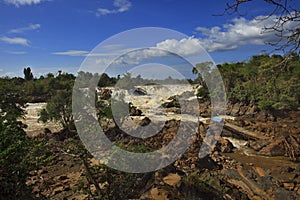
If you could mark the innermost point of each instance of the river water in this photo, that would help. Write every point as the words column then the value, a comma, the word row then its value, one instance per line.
column 34, row 127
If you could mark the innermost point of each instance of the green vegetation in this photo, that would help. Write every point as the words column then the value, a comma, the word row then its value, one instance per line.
column 28, row 74
column 267, row 81
column 270, row 82
column 18, row 153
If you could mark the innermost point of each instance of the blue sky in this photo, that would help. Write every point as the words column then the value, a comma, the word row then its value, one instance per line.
column 52, row 35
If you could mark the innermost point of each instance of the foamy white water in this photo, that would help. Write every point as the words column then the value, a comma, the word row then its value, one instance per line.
column 31, row 120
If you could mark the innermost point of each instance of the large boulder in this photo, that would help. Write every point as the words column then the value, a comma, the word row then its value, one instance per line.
column 144, row 122
column 134, row 111
column 139, row 92
column 235, row 109
column 171, row 103
column 275, row 148
column 252, row 110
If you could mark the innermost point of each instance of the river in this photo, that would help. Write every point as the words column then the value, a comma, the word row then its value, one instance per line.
column 34, row 127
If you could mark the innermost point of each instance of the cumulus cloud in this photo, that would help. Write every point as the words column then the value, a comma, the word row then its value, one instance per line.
column 184, row 47
column 15, row 40
column 23, row 2
column 27, row 28
column 120, row 6
column 167, row 48
column 239, row 32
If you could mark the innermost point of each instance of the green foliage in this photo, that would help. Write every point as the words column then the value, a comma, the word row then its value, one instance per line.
column 14, row 144
column 14, row 167
column 104, row 109
column 28, row 74
column 265, row 80
column 59, row 109
column 105, row 80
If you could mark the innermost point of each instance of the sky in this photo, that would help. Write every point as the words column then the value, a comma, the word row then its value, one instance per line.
column 52, row 35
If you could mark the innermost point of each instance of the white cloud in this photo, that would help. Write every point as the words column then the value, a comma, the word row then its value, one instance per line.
column 27, row 28
column 238, row 33
column 72, row 53
column 120, row 6
column 184, row 47
column 3, row 73
column 137, row 56
column 111, row 50
column 15, row 40
column 23, row 2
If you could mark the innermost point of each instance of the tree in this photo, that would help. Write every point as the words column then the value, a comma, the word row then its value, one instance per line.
column 59, row 109
column 28, row 74
column 286, row 14
column 256, row 82
column 14, row 144
column 104, row 80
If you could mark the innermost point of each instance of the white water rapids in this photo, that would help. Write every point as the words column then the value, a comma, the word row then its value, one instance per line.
column 34, row 127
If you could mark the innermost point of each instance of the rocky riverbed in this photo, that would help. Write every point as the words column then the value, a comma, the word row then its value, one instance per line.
column 237, row 168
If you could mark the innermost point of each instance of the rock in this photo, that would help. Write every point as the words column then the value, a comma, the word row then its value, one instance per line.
column 260, row 171
column 207, row 163
column 235, row 109
column 139, row 92
column 144, row 122
column 58, row 190
column 193, row 166
column 224, row 145
column 159, row 194
column 172, row 179
column 265, row 116
column 275, row 148
column 42, row 171
column 173, row 110
column 47, row 131
column 172, row 102
column 62, row 177
column 252, row 110
column 289, row 186
column 243, row 110
column 261, row 116
column 258, row 144
column 105, row 94
column 271, row 118
column 294, row 143
column 134, row 111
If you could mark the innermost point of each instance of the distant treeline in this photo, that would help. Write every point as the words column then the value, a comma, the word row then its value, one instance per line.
column 271, row 82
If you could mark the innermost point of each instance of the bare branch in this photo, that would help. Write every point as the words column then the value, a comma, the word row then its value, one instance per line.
column 286, row 24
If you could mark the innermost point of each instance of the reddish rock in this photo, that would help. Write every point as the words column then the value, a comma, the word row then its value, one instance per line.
column 224, row 145
column 275, row 148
